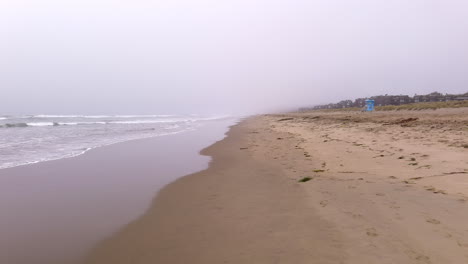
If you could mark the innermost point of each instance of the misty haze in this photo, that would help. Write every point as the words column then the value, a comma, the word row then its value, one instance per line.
column 247, row 131
column 184, row 57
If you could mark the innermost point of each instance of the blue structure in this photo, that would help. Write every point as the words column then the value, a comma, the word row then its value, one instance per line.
column 370, row 105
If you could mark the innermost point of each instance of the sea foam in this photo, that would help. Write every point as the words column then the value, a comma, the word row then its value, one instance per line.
column 36, row 138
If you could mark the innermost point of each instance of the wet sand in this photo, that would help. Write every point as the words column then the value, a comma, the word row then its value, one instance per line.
column 384, row 188
column 240, row 210
column 54, row 212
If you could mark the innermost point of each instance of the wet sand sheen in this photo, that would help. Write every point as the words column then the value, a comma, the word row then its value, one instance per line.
column 54, row 212
column 240, row 210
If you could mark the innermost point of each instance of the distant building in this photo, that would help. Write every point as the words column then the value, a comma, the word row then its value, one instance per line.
column 382, row 100
column 360, row 102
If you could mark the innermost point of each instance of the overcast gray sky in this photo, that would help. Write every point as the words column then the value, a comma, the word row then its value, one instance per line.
column 231, row 56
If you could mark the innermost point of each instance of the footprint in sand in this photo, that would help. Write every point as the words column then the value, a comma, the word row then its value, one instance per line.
column 354, row 215
column 434, row 190
column 324, row 203
column 462, row 244
column 419, row 257
column 433, row 221
column 408, row 182
column 424, row 167
column 372, row 232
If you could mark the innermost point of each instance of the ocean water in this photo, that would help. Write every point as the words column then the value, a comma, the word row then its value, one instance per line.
column 57, row 212
column 35, row 138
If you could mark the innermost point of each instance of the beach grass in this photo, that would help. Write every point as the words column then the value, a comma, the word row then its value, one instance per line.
column 423, row 106
column 413, row 107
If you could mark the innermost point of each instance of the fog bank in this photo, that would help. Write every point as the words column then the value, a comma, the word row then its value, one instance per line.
column 211, row 57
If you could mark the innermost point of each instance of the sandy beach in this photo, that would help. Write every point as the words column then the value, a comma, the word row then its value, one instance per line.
column 242, row 132
column 385, row 187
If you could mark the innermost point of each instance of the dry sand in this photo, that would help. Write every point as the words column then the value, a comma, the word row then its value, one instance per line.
column 388, row 187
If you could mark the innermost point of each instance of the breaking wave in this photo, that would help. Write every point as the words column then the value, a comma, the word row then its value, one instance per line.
column 107, row 122
column 41, row 124
column 97, row 116
column 37, row 124
column 35, row 138
column 44, row 124
column 15, row 125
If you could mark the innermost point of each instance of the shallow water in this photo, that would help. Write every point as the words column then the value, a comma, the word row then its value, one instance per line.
column 36, row 138
column 54, row 212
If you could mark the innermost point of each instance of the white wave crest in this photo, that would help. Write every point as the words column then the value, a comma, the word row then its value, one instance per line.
column 70, row 116
column 81, row 123
column 40, row 124
column 98, row 116
column 154, row 121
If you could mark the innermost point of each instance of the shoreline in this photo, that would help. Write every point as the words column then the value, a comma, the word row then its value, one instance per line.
column 56, row 211
column 372, row 196
column 84, row 151
column 239, row 210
